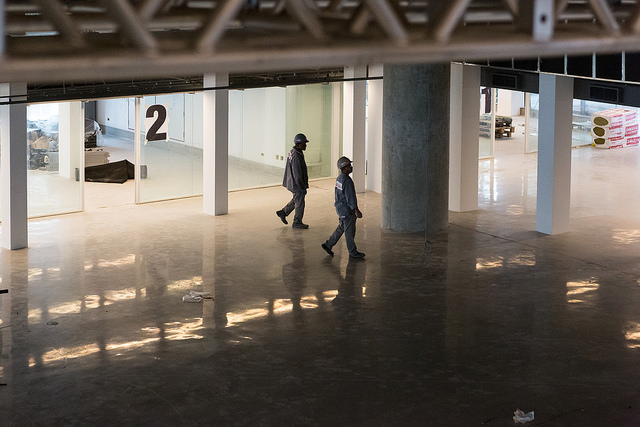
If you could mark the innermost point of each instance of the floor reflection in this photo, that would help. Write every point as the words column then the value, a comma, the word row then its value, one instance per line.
column 486, row 316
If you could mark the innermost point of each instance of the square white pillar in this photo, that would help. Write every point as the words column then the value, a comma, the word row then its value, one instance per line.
column 354, row 123
column 13, row 137
column 464, row 138
column 554, row 154
column 374, row 129
column 215, row 144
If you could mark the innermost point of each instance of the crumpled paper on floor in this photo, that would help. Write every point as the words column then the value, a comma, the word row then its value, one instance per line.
column 521, row 417
column 195, row 296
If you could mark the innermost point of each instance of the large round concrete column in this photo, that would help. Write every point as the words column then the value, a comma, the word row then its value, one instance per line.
column 415, row 147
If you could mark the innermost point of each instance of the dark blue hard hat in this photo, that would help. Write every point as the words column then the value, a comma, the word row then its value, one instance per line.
column 343, row 161
column 300, row 138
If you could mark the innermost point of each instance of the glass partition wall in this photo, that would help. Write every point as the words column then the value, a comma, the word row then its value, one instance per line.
column 55, row 144
column 171, row 147
column 581, row 121
column 532, row 112
column 487, row 122
column 262, row 124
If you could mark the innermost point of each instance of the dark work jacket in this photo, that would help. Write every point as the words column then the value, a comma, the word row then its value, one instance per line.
column 346, row 200
column 295, row 179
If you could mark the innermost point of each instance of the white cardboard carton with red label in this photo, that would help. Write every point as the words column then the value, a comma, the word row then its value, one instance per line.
column 614, row 128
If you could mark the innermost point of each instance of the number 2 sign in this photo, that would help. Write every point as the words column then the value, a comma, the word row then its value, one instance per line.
column 156, row 123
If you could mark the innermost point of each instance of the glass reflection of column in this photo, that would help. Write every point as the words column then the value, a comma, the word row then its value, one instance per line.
column 14, row 316
column 137, row 140
column 294, row 274
column 533, row 108
column 414, row 288
column 215, row 267
column 487, row 121
column 5, row 337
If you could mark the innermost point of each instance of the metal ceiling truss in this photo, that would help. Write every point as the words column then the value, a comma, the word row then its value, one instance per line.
column 85, row 40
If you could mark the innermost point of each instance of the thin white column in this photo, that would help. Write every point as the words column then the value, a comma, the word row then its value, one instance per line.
column 374, row 129
column 336, row 126
column 354, row 123
column 554, row 154
column 137, row 148
column 464, row 138
column 215, row 145
column 70, row 137
column 13, row 128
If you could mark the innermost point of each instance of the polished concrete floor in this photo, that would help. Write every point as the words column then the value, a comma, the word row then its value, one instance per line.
column 462, row 329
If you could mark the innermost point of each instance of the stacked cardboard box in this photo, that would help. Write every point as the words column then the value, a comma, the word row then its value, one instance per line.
column 615, row 128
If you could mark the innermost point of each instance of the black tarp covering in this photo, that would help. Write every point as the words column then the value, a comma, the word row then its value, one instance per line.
column 115, row 172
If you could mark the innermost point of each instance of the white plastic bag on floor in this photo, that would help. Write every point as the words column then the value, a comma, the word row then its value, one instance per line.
column 194, row 296
column 521, row 417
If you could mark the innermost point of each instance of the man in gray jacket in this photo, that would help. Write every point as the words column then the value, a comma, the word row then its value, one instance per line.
column 347, row 209
column 296, row 180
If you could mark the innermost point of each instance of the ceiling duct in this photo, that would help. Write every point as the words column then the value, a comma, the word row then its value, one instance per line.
column 505, row 81
column 605, row 94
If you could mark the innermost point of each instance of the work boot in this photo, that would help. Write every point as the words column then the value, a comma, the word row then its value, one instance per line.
column 282, row 215
column 326, row 249
column 357, row 255
column 297, row 224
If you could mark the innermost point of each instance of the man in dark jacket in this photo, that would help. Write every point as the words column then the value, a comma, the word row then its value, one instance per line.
column 296, row 180
column 347, row 209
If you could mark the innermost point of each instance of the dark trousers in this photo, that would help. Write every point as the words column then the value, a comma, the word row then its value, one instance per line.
column 346, row 226
column 297, row 203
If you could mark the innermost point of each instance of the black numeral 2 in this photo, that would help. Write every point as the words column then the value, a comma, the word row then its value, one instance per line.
column 152, row 133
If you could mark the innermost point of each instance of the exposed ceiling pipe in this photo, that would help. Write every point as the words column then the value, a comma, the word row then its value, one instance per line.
column 513, row 6
column 266, row 36
column 449, row 19
column 54, row 12
column 148, row 9
column 335, row 6
column 634, row 21
column 303, row 14
column 561, row 5
column 215, row 28
column 131, row 24
column 388, row 20
column 360, row 21
column 101, row 24
column 605, row 16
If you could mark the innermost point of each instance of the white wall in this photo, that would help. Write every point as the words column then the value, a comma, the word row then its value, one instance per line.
column 235, row 122
column 504, row 103
column 176, row 112
column 257, row 125
column 509, row 103
column 262, row 122
column 183, row 126
column 114, row 113
column 263, row 119
column 517, row 102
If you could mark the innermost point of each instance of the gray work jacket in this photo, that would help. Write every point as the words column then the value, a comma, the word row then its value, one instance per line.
column 295, row 172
